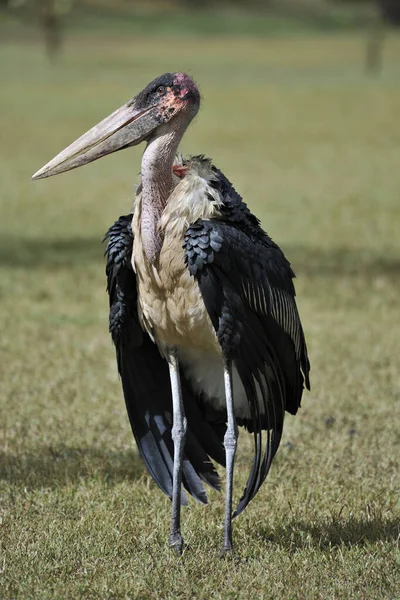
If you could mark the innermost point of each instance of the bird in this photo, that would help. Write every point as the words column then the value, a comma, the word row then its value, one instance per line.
column 203, row 312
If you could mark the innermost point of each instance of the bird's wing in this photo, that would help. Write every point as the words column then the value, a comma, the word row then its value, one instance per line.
column 145, row 380
column 246, row 284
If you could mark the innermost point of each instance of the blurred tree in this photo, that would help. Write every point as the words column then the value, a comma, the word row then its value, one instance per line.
column 390, row 10
column 50, row 21
column 49, row 14
column 374, row 50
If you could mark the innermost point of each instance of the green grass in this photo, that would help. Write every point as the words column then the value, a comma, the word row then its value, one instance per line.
column 313, row 146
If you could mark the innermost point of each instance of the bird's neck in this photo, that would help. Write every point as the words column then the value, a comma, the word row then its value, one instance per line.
column 157, row 184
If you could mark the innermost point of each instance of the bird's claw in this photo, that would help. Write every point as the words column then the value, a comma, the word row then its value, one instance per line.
column 176, row 542
column 227, row 552
column 227, row 548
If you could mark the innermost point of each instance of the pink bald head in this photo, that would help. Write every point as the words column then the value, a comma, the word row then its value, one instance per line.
column 188, row 88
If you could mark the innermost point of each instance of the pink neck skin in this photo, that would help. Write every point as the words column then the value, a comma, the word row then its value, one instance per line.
column 157, row 184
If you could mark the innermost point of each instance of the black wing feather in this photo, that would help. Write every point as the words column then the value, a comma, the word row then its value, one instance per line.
column 145, row 380
column 246, row 284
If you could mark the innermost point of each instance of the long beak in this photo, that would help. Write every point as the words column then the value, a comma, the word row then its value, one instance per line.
column 127, row 126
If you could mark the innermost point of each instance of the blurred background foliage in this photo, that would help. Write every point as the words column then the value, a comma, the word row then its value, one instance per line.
column 55, row 19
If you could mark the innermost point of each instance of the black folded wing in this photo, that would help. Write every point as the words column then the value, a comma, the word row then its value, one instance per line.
column 246, row 284
column 145, row 380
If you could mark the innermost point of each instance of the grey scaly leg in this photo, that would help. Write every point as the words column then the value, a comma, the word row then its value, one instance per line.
column 230, row 443
column 178, row 436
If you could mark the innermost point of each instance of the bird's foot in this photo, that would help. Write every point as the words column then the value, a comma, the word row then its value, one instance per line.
column 229, row 553
column 176, row 542
column 227, row 548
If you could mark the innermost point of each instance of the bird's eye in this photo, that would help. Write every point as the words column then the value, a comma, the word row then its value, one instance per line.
column 161, row 90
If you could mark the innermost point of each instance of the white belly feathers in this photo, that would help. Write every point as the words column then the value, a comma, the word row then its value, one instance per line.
column 170, row 305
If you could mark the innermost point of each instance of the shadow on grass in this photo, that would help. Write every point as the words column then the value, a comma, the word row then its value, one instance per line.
column 312, row 261
column 327, row 534
column 51, row 467
column 306, row 260
column 61, row 466
column 28, row 253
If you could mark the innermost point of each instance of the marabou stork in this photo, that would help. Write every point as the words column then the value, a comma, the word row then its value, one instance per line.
column 202, row 306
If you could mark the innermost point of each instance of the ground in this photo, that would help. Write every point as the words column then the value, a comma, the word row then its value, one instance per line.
column 312, row 144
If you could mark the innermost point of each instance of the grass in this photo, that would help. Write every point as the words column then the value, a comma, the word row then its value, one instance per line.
column 312, row 144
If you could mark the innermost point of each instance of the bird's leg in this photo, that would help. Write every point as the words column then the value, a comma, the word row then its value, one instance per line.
column 178, row 436
column 230, row 443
